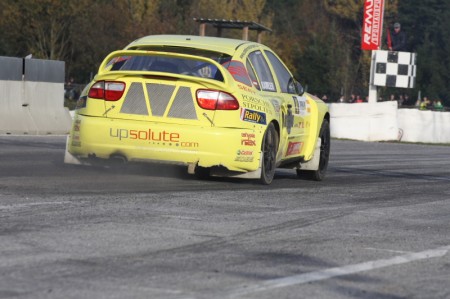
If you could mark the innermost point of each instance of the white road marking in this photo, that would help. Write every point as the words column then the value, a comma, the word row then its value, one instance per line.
column 337, row 271
column 387, row 250
column 31, row 204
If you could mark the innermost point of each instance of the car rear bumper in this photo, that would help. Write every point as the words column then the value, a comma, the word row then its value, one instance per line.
column 104, row 138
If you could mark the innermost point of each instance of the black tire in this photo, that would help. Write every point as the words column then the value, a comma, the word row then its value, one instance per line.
column 269, row 148
column 319, row 175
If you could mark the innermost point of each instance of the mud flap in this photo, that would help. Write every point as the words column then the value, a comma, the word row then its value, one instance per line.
column 256, row 174
column 71, row 159
column 313, row 164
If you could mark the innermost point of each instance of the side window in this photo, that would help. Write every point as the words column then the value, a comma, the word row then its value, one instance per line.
column 251, row 73
column 262, row 70
column 281, row 72
column 238, row 71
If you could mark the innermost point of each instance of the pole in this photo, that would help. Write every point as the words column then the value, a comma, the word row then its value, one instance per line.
column 373, row 91
column 202, row 28
column 245, row 33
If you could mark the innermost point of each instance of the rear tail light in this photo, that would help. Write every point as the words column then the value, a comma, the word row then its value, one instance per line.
column 107, row 90
column 216, row 100
column 97, row 90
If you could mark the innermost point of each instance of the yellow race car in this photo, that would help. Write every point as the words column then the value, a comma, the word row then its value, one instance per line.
column 219, row 106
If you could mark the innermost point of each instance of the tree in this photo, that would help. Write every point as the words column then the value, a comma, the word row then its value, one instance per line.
column 11, row 41
column 319, row 40
column 43, row 26
column 430, row 38
column 243, row 10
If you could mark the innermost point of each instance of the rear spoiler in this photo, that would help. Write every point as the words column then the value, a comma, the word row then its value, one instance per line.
column 105, row 67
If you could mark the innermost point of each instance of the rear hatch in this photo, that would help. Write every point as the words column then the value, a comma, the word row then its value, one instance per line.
column 161, row 87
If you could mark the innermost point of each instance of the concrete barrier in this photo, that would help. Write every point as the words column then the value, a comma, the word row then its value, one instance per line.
column 364, row 121
column 424, row 126
column 383, row 121
column 15, row 116
column 32, row 97
column 46, row 107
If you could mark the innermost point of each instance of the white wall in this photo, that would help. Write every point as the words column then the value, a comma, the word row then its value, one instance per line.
column 364, row 121
column 384, row 121
column 424, row 126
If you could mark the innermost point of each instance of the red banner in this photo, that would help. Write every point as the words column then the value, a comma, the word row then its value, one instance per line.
column 372, row 24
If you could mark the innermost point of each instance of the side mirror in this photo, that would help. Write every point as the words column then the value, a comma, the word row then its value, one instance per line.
column 294, row 87
column 299, row 88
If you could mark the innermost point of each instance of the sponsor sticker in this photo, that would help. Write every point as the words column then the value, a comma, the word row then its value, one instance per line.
column 244, row 153
column 266, row 85
column 76, row 125
column 248, row 139
column 302, row 125
column 294, row 148
column 244, row 156
column 301, row 106
column 246, row 50
column 244, row 159
column 255, row 103
column 372, row 24
column 253, row 116
column 152, row 136
column 76, row 143
column 246, row 88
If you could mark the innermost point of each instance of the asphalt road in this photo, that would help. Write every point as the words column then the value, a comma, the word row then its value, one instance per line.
column 377, row 227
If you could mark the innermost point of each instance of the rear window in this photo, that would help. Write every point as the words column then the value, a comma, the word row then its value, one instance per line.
column 183, row 66
column 190, row 67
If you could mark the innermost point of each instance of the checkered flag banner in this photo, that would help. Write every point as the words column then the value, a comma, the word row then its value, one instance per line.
column 395, row 69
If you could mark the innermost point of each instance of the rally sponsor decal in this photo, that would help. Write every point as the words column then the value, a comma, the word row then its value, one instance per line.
column 294, row 148
column 246, row 50
column 372, row 24
column 301, row 106
column 246, row 88
column 267, row 85
column 302, row 125
column 255, row 103
column 248, row 139
column 155, row 137
column 253, row 116
column 244, row 156
column 76, row 141
column 244, row 152
column 76, row 125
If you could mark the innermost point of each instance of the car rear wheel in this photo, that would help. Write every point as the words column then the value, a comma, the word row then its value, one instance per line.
column 319, row 174
column 269, row 149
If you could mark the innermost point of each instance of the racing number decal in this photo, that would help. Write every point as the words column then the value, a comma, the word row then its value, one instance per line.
column 301, row 106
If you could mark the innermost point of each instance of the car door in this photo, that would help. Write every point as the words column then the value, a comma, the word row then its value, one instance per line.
column 277, row 82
